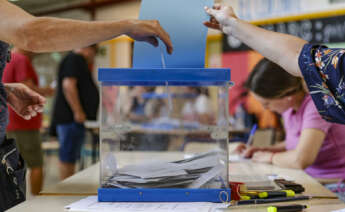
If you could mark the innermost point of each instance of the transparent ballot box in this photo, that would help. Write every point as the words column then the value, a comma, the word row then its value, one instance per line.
column 164, row 135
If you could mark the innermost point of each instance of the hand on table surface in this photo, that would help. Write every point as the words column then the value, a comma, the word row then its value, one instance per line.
column 246, row 151
column 263, row 157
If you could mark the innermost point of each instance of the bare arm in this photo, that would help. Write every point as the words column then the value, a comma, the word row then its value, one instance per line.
column 280, row 48
column 248, row 152
column 279, row 147
column 44, row 91
column 303, row 156
column 69, row 85
column 305, row 153
column 42, row 34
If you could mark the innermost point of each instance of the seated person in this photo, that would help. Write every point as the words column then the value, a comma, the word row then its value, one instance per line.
column 136, row 113
column 311, row 143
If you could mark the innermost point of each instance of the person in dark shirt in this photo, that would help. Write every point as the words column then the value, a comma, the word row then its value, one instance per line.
column 77, row 100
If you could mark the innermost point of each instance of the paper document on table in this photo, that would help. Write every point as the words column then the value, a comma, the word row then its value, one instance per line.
column 153, row 170
column 341, row 210
column 200, row 163
column 203, row 179
column 237, row 158
column 91, row 204
column 254, row 182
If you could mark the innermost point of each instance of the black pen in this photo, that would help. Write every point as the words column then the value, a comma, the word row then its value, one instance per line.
column 264, row 201
column 275, row 194
column 286, row 208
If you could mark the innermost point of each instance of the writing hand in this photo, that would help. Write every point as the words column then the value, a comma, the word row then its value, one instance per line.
column 247, row 151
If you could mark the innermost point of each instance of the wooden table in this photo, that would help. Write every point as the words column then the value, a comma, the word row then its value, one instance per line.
column 57, row 204
column 83, row 183
column 86, row 183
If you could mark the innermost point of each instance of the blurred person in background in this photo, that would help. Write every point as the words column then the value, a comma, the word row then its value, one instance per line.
column 27, row 132
column 144, row 109
column 135, row 110
column 198, row 107
column 77, row 100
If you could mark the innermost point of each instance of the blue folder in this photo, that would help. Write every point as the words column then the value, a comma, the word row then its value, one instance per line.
column 183, row 20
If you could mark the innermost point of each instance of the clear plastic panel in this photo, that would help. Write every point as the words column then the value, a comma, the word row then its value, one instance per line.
column 159, row 137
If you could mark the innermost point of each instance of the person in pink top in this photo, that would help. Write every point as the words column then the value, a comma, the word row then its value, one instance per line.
column 311, row 143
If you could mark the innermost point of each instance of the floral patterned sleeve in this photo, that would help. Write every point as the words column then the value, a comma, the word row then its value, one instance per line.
column 323, row 70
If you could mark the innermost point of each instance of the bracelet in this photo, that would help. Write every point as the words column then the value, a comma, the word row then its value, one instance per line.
column 272, row 155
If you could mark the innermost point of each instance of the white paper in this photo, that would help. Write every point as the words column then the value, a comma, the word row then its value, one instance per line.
column 253, row 182
column 237, row 158
column 204, row 178
column 91, row 204
column 153, row 170
column 199, row 170
column 206, row 161
column 249, row 178
column 341, row 210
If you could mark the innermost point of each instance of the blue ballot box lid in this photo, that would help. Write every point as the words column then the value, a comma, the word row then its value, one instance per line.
column 170, row 76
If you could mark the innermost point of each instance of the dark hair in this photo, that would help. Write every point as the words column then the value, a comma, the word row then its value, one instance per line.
column 200, row 90
column 269, row 80
column 94, row 47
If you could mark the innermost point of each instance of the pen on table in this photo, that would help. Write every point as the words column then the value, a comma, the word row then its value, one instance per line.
column 264, row 201
column 274, row 194
column 286, row 208
column 258, row 207
column 268, row 194
column 251, row 135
